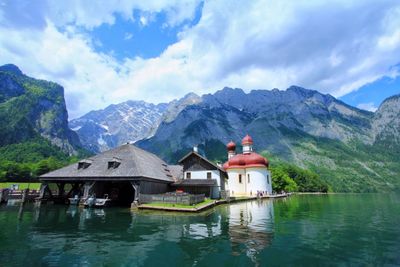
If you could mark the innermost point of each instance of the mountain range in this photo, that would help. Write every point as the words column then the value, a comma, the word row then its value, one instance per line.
column 353, row 150
column 129, row 121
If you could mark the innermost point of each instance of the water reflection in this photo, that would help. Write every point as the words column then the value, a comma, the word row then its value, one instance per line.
column 120, row 237
column 305, row 230
column 251, row 227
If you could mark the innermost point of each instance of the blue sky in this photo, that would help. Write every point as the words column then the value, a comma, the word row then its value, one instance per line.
column 146, row 37
column 128, row 39
column 106, row 52
column 371, row 95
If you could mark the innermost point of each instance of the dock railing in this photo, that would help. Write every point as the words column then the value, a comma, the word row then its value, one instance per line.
column 173, row 198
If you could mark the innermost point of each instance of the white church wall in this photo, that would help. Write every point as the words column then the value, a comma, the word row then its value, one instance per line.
column 259, row 180
column 253, row 180
column 236, row 188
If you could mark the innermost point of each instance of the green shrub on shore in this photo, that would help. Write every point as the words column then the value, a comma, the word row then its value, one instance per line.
column 24, row 162
column 290, row 178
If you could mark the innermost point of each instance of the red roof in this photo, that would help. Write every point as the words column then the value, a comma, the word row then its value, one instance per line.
column 247, row 140
column 231, row 146
column 242, row 161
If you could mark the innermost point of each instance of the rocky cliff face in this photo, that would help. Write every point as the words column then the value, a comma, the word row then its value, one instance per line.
column 386, row 123
column 31, row 108
column 126, row 122
column 267, row 115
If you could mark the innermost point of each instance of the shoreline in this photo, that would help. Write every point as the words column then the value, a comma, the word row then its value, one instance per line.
column 208, row 205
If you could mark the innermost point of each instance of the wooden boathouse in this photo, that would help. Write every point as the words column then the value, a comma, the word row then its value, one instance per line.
column 120, row 174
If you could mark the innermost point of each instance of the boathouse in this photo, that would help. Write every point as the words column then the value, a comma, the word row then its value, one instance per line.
column 121, row 174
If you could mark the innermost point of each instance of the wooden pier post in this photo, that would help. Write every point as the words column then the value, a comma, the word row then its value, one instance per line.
column 25, row 193
column 45, row 193
column 136, row 198
column 61, row 189
column 4, row 195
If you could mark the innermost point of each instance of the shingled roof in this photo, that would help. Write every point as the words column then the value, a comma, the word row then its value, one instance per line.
column 176, row 171
column 192, row 153
column 131, row 162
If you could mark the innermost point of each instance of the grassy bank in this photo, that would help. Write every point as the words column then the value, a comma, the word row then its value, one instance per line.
column 22, row 186
column 171, row 205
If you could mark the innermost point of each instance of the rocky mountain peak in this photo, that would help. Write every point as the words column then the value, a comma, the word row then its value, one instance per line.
column 176, row 106
column 386, row 123
column 129, row 121
column 11, row 68
column 392, row 101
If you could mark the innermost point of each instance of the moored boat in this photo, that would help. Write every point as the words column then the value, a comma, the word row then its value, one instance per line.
column 74, row 201
column 93, row 202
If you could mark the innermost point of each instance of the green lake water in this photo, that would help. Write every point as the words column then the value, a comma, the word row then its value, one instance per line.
column 307, row 230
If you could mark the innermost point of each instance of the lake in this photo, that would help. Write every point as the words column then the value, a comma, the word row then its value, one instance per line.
column 303, row 230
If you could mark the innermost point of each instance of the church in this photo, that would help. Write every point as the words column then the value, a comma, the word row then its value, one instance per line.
column 248, row 173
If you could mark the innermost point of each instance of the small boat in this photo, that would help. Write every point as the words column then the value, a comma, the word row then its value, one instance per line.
column 90, row 201
column 74, row 201
column 93, row 202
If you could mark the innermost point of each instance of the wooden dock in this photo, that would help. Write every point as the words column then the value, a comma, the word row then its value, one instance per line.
column 17, row 196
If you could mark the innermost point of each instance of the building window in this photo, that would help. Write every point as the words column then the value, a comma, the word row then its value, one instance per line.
column 248, row 178
column 83, row 164
column 240, row 178
column 208, row 175
column 113, row 164
column 188, row 175
column 268, row 178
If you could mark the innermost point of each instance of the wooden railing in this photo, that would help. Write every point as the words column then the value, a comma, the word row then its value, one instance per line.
column 174, row 198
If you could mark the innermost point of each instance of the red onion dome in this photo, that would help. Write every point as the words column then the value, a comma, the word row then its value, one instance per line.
column 247, row 140
column 225, row 166
column 242, row 161
column 256, row 159
column 237, row 160
column 231, row 146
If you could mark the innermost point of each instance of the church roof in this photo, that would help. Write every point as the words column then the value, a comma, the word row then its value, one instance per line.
column 247, row 140
column 124, row 162
column 248, row 160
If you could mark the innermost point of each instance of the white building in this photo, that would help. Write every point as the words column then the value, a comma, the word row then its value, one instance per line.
column 248, row 173
column 201, row 176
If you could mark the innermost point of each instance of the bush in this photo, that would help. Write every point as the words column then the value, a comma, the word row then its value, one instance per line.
column 290, row 178
column 282, row 182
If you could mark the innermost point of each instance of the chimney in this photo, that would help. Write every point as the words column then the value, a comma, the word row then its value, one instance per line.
column 195, row 149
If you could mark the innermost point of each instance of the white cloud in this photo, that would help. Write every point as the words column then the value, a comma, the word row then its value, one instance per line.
column 333, row 47
column 368, row 106
column 128, row 36
column 90, row 14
